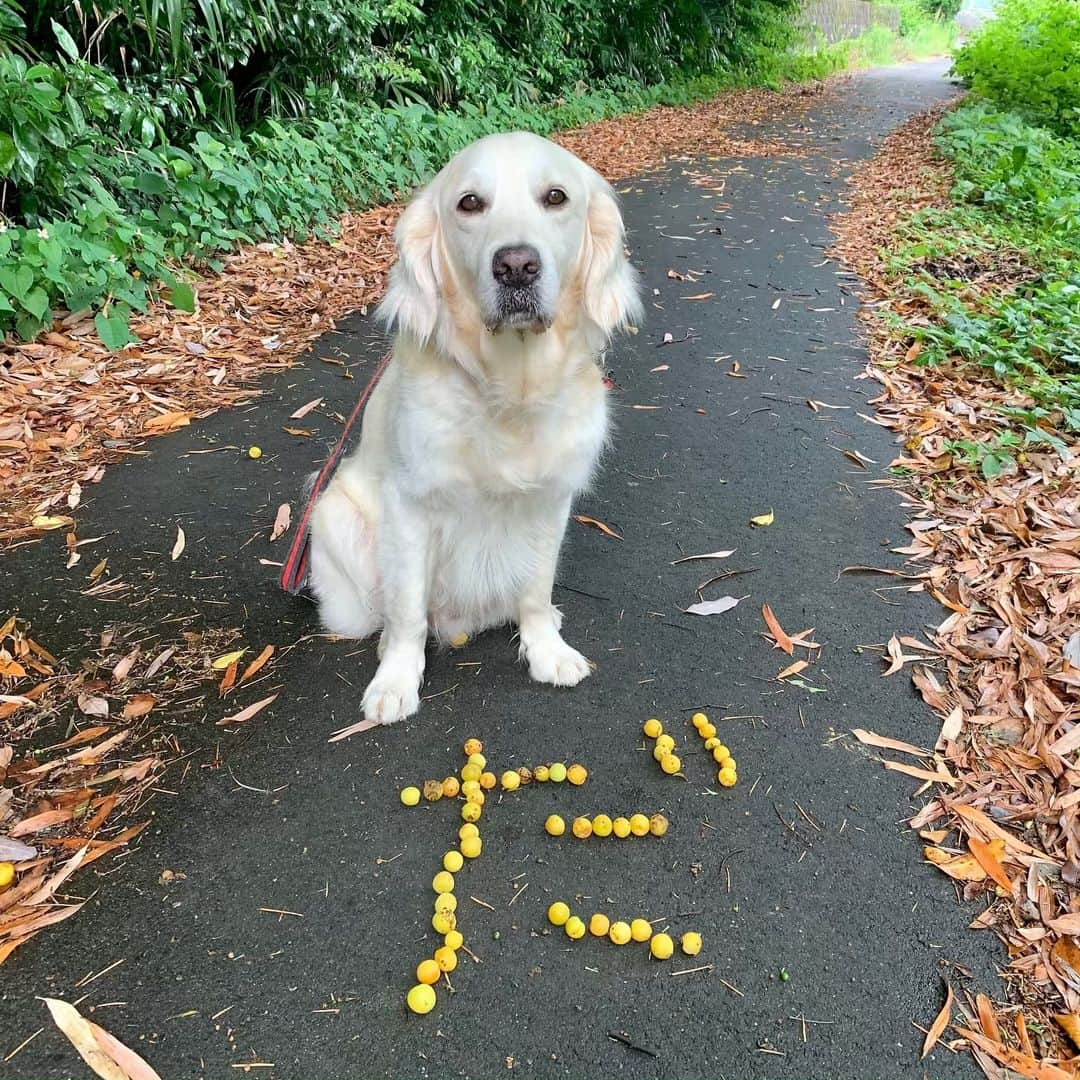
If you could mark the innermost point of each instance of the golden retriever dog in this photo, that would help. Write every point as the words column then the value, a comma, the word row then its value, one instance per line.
column 490, row 418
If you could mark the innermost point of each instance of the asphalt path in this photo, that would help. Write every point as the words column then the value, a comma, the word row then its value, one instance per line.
column 809, row 892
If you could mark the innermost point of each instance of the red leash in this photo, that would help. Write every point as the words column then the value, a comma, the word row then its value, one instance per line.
column 294, row 573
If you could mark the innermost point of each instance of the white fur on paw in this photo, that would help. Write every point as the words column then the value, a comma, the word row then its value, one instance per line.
column 557, row 663
column 391, row 696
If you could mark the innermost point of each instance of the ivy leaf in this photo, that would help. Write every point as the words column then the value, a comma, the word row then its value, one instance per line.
column 113, row 331
column 183, row 296
column 36, row 302
column 7, row 153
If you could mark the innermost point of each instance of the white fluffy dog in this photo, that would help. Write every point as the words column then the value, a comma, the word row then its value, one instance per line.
column 491, row 416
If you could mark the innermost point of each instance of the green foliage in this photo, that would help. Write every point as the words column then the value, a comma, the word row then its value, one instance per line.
column 1028, row 59
column 137, row 136
column 1016, row 210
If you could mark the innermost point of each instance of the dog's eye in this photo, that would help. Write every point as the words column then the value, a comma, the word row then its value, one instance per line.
column 470, row 204
column 555, row 197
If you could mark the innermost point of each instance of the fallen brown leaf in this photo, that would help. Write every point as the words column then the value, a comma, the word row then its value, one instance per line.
column 138, row 706
column 607, row 530
column 257, row 664
column 777, row 631
column 248, row 713
column 108, row 1057
column 282, row 521
column 941, row 1022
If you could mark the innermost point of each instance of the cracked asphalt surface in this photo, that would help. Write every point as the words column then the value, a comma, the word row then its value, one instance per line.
column 804, row 870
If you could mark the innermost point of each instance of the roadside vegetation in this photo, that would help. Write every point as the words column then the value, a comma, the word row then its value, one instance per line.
column 140, row 136
column 999, row 266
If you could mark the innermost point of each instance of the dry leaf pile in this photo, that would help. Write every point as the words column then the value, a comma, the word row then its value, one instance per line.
column 68, row 407
column 80, row 749
column 1002, row 557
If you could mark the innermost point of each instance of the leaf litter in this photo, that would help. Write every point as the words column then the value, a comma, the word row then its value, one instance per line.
column 83, row 748
column 1002, row 557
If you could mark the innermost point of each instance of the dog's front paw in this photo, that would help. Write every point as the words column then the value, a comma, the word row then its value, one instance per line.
column 392, row 695
column 557, row 663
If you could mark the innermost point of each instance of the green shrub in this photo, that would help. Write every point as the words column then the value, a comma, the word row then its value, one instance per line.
column 1016, row 205
column 1028, row 59
column 139, row 135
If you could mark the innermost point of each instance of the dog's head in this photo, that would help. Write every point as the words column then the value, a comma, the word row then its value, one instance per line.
column 515, row 233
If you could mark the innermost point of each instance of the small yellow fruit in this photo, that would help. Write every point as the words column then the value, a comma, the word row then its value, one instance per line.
column 707, row 731
column 619, row 933
column 574, row 928
column 671, row 764
column 662, row 946
column 410, row 796
column 555, row 825
column 254, row 453
column 7, row 874
column 660, row 752
column 653, row 728
column 475, row 797
column 558, row 913
column 427, row 972
column 468, row 829
column 443, row 882
column 599, row 925
column 460, row 640
column 541, row 774
column 720, row 752
column 727, row 777
column 453, row 861
column 446, row 901
column 453, row 940
column 433, row 790
column 471, row 846
column 639, row 825
column 446, row 958
column 621, row 827
column 471, row 812
column 525, row 774
column 510, row 780
column 471, row 787
column 577, row 774
column 473, row 746
column 469, row 771
column 698, row 719
column 450, row 787
column 691, row 943
column 640, row 930
column 442, row 922
column 488, row 780
column 421, row 999
column 581, row 828
column 712, row 744
column 665, row 743
column 478, row 759
column 658, row 824
column 557, row 772
column 601, row 825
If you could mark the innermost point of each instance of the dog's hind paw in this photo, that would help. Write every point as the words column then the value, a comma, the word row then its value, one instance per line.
column 557, row 663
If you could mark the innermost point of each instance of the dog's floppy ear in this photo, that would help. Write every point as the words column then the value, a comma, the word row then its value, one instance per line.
column 611, row 294
column 412, row 298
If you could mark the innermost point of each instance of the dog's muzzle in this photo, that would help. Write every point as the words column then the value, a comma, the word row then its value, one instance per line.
column 517, row 270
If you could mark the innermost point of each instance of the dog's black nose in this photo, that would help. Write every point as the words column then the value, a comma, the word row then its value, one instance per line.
column 516, row 266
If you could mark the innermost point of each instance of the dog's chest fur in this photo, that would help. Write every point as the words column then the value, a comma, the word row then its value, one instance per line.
column 464, row 443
